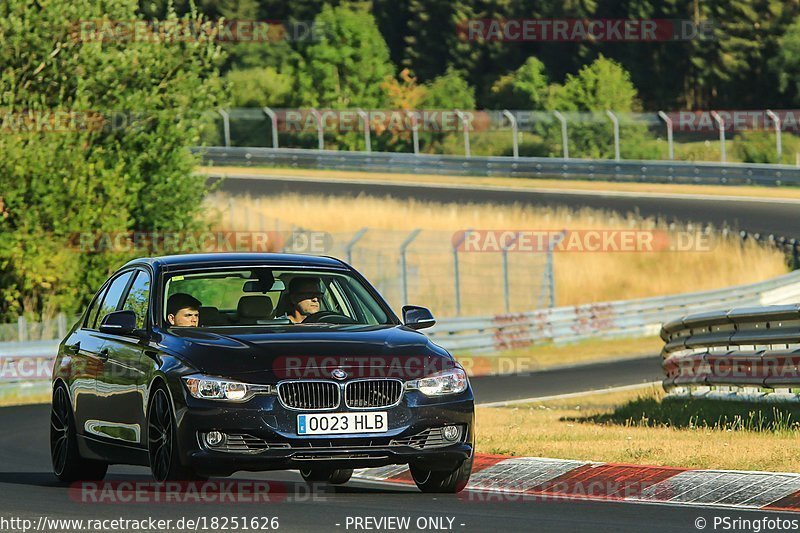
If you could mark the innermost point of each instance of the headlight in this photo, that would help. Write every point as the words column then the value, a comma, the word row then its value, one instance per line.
column 211, row 388
column 450, row 381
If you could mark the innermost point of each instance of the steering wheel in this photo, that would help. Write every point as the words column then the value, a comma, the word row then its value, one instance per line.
column 328, row 317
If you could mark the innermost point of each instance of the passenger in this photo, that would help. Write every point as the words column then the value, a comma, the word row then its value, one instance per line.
column 183, row 310
column 305, row 297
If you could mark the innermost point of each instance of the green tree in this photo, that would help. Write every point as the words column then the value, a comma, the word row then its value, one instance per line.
column 346, row 67
column 786, row 63
column 525, row 88
column 257, row 87
column 117, row 162
column 604, row 84
column 585, row 97
column 448, row 91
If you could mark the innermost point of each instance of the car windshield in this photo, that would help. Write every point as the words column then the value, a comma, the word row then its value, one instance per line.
column 267, row 297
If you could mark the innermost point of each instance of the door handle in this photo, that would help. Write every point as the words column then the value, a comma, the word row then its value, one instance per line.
column 103, row 354
column 74, row 348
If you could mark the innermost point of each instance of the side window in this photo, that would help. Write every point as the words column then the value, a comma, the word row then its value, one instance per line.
column 138, row 298
column 338, row 300
column 112, row 297
column 94, row 309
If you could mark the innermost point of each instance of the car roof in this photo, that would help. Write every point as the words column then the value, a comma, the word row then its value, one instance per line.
column 170, row 262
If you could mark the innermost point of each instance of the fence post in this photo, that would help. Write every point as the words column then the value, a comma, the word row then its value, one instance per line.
column 548, row 280
column 615, row 123
column 348, row 249
column 721, row 125
column 226, row 127
column 414, row 131
column 457, row 273
column 61, row 322
column 367, row 139
column 506, row 295
column 320, row 134
column 668, row 122
column 777, row 121
column 465, row 126
column 513, row 120
column 404, row 270
column 564, row 138
column 274, row 120
column 22, row 329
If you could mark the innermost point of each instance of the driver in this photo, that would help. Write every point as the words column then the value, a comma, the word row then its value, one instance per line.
column 305, row 296
column 183, row 310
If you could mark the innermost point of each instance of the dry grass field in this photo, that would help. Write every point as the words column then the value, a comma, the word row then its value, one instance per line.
column 613, row 427
column 580, row 277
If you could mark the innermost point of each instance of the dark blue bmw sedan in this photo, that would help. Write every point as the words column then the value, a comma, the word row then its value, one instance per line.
column 204, row 365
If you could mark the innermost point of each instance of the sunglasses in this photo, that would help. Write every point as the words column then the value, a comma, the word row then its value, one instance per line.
column 307, row 295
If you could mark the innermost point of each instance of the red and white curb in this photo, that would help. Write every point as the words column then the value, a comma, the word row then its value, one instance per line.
column 534, row 478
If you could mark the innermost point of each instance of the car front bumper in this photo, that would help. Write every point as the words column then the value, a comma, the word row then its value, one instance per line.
column 266, row 421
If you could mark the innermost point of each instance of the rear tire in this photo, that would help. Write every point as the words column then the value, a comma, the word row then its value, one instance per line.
column 68, row 464
column 332, row 476
column 434, row 481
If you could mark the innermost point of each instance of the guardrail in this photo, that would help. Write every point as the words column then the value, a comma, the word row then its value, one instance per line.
column 31, row 361
column 747, row 353
column 521, row 167
column 624, row 318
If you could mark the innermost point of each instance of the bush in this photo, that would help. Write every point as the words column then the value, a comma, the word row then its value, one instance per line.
column 91, row 176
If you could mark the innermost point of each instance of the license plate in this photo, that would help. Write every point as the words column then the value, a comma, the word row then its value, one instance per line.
column 338, row 423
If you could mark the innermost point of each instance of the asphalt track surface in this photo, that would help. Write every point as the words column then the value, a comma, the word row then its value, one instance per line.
column 754, row 215
column 565, row 380
column 29, row 490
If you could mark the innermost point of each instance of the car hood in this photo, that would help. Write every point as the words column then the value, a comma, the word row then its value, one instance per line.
column 311, row 352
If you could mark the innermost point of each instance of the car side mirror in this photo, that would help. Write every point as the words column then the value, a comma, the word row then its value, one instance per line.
column 416, row 317
column 119, row 323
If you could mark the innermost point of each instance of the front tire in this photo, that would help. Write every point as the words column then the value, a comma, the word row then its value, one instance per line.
column 332, row 476
column 162, row 442
column 435, row 481
column 68, row 464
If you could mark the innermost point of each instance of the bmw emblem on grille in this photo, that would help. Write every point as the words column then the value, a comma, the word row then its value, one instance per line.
column 339, row 373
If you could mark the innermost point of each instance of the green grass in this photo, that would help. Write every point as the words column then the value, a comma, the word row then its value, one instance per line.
column 725, row 415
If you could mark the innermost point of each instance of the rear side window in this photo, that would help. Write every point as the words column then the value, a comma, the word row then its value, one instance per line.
column 138, row 297
column 112, row 297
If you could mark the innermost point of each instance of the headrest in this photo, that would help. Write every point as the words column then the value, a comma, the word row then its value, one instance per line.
column 258, row 307
column 210, row 316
